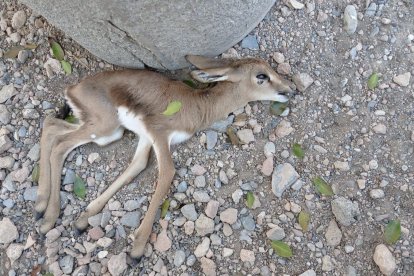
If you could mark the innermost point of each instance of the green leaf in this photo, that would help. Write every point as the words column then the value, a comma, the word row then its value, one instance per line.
column 66, row 67
column 36, row 173
column 373, row 81
column 79, row 187
column 233, row 136
column 304, row 219
column 164, row 208
column 57, row 50
column 282, row 249
column 71, row 119
column 172, row 108
column 298, row 151
column 322, row 186
column 190, row 83
column 277, row 108
column 250, row 199
column 392, row 231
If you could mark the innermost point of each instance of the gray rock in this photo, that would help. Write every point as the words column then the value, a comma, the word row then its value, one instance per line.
column 179, row 258
column 201, row 196
column 333, row 234
column 131, row 219
column 6, row 162
column 302, row 81
column 189, row 212
column 47, row 105
column 309, row 272
column 276, row 234
column 8, row 203
column 95, row 220
column 69, row 177
column 372, row 8
column 200, row 181
column 384, row 259
column 7, row 92
column 106, row 216
column 23, row 56
column 112, row 32
column 221, row 126
column 403, row 79
column 34, row 153
column 245, row 135
column 66, row 264
column 346, row 212
column 211, row 139
column 30, row 113
column 9, row 184
column 18, row 20
column 350, row 19
column 284, row 175
column 248, row 223
column 250, row 42
column 30, row 193
column 5, row 115
column 117, row 264
column 182, row 187
column 8, row 231
column 204, row 225
column 131, row 205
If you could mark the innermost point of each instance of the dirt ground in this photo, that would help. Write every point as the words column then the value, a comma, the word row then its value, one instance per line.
column 360, row 140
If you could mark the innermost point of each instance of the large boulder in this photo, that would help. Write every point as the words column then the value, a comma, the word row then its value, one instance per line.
column 156, row 33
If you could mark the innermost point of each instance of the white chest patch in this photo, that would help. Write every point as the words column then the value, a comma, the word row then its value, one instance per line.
column 131, row 121
column 178, row 137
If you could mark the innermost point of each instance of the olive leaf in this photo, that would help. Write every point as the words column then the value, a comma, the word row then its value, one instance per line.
column 277, row 108
column 57, row 50
column 66, row 67
column 172, row 108
column 13, row 52
column 304, row 219
column 322, row 186
column 250, row 199
column 373, row 81
column 298, row 151
column 79, row 187
column 392, row 231
column 190, row 83
column 233, row 136
column 282, row 249
column 71, row 119
column 36, row 173
column 164, row 208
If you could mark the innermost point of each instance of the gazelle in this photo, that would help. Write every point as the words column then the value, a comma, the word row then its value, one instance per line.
column 110, row 102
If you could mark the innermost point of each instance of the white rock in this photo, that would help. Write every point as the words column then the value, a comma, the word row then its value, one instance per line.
column 237, row 195
column 302, row 81
column 104, row 242
column 295, row 4
column 376, row 193
column 204, row 225
column 276, row 234
column 309, row 272
column 284, row 175
column 163, row 242
column 403, row 79
column 350, row 19
column 229, row 215
column 52, row 67
column 327, row 263
column 380, row 129
column 333, row 234
column 284, row 128
column 227, row 252
column 208, row 266
column 7, row 92
column 202, row 248
column 8, row 231
column 341, row 165
column 212, row 208
column 117, row 264
column 384, row 259
column 94, row 156
column 269, row 149
column 14, row 251
column 345, row 211
column 18, row 20
column 245, row 135
column 247, row 256
column 189, row 212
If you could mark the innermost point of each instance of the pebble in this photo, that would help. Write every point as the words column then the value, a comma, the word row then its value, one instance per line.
column 284, row 128
column 94, row 156
column 5, row 115
column 18, row 20
column 380, row 129
column 320, row 149
column 349, row 249
column 200, row 181
column 30, row 194
column 7, row 92
column 229, row 215
column 269, row 149
column 333, row 234
column 227, row 252
column 66, row 264
column 201, row 196
column 376, row 193
column 237, row 195
column 302, row 81
column 23, row 56
column 132, row 205
column 198, row 170
column 204, row 225
column 179, row 258
column 403, row 79
column 276, row 234
column 342, row 166
column 373, row 164
column 202, row 248
column 284, row 68
column 189, row 227
column 30, row 113
column 309, row 272
column 34, row 152
column 163, row 242
column 212, row 208
column 278, row 57
column 14, row 251
column 69, row 178
column 212, row 137
column 267, row 167
column 384, row 259
column 6, row 162
column 208, row 266
column 246, row 136
column 189, row 212
column 223, row 177
column 21, row 175
column 247, row 256
column 182, row 187
column 295, row 4
column 117, row 264
column 104, row 242
column 96, row 233
column 248, row 223
column 250, row 42
column 346, row 212
column 284, row 175
column 327, row 263
column 5, row 143
column 350, row 19
column 131, row 219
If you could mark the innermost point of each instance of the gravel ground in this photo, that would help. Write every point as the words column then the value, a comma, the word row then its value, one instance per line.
column 360, row 140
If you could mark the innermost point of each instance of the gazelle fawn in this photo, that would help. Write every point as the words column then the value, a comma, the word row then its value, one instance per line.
column 110, row 102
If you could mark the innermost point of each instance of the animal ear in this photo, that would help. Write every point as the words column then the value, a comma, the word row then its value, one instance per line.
column 207, row 63
column 211, row 75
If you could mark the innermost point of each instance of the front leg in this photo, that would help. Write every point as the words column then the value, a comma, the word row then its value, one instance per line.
column 166, row 173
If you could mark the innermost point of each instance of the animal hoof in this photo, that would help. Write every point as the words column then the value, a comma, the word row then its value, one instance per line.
column 133, row 262
column 38, row 215
column 79, row 232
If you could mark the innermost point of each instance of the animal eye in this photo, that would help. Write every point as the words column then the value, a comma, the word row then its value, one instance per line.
column 262, row 77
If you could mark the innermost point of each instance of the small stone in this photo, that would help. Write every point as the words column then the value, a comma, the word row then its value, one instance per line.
column 284, row 68
column 94, row 156
column 267, row 167
column 163, row 242
column 30, row 194
column 69, row 178
column 269, row 149
column 202, row 248
column 403, row 79
column 302, row 81
column 237, row 195
column 208, row 266
column 201, row 196
column 248, row 223
column 372, row 8
column 295, row 4
column 131, row 219
column 223, row 177
column 66, row 264
column 14, row 251
column 361, row 183
column 200, row 181
column 373, row 164
column 179, row 258
column 34, row 152
column 117, row 264
column 327, row 263
column 384, row 259
column 349, row 249
column 247, row 256
column 198, row 170
column 5, row 115
column 23, row 56
column 346, row 212
column 227, row 252
column 18, row 20
column 189, row 227
column 96, row 233
column 189, row 212
column 284, row 175
column 350, row 19
column 7, row 92
column 6, row 162
column 322, row 17
column 8, row 231
column 279, row 57
column 250, row 42
column 284, row 128
column 212, row 208
column 30, row 113
column 52, row 67
column 229, row 215
column 132, row 205
column 309, row 272
column 246, row 136
column 376, row 193
column 5, row 143
column 333, row 234
column 182, row 187
column 276, row 233
column 341, row 166
column 104, row 242
column 204, row 225
column 320, row 149
column 211, row 137
column 380, row 129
